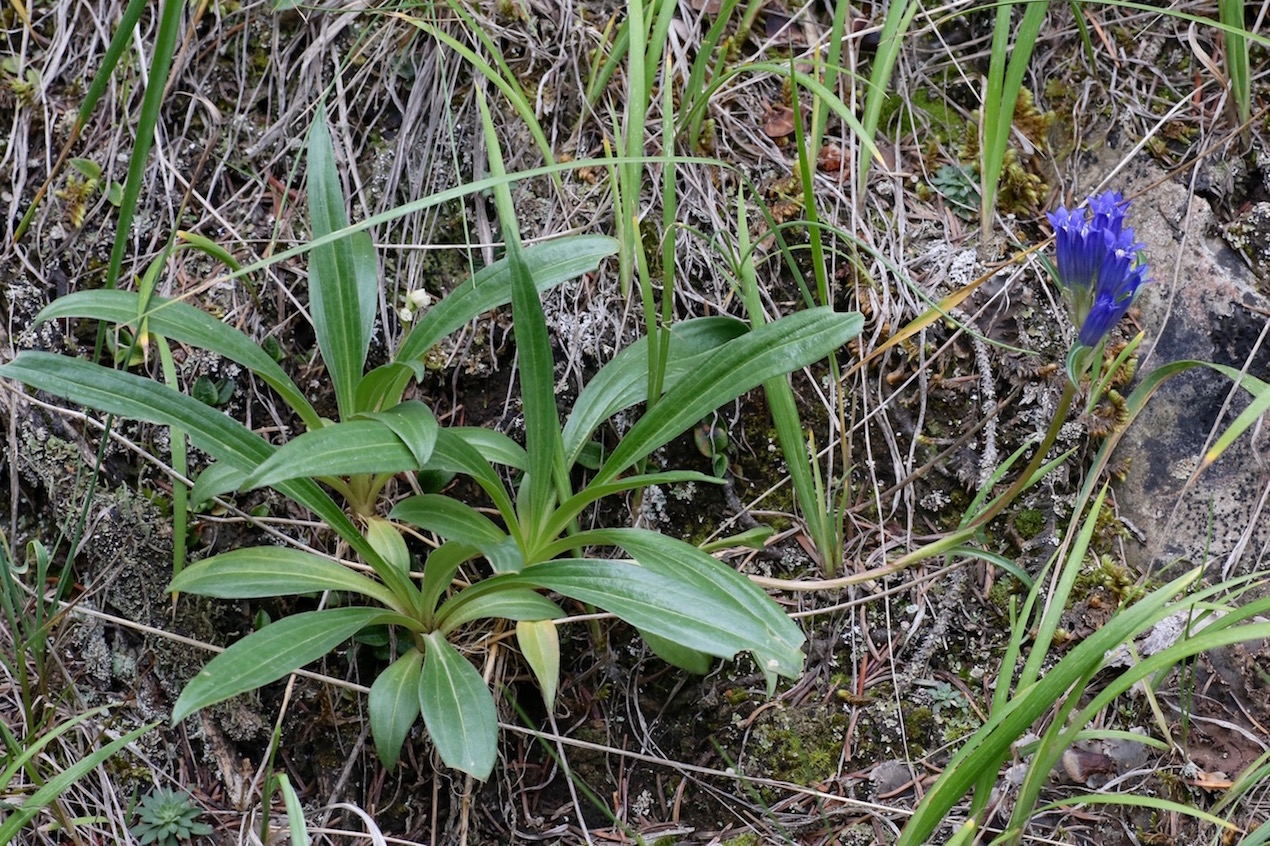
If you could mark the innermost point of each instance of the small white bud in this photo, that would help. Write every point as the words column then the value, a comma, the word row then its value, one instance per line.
column 406, row 315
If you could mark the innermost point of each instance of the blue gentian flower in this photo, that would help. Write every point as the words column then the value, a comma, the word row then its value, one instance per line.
column 1098, row 263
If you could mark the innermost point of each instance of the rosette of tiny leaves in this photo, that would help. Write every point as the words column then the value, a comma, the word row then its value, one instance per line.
column 1099, row 263
column 167, row 817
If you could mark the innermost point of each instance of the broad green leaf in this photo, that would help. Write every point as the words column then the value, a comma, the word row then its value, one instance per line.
column 514, row 603
column 495, row 447
column 179, row 321
column 382, row 387
column 343, row 274
column 455, row 455
column 458, row 709
column 394, row 705
column 729, row 591
column 261, row 571
column 414, row 423
column 549, row 265
column 348, row 448
column 540, row 644
column 219, row 478
column 623, row 382
column 784, row 345
column 682, row 657
column 458, row 521
column 574, row 505
column 681, row 612
column 274, row 651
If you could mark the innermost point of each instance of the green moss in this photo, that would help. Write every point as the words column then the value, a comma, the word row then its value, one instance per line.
column 801, row 747
column 1029, row 522
column 749, row 838
column 920, row 725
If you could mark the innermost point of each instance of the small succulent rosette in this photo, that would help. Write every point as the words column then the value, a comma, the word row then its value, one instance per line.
column 1100, row 267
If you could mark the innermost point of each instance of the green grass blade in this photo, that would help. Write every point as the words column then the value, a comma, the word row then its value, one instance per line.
column 898, row 18
column 1007, row 65
column 1231, row 13
column 740, row 365
column 109, row 62
column 55, row 786
column 507, row 86
column 160, row 65
column 990, row 745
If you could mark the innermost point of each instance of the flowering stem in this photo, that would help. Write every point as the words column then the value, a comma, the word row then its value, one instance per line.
column 1060, row 417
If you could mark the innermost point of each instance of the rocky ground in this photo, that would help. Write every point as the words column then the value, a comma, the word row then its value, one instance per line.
column 900, row 669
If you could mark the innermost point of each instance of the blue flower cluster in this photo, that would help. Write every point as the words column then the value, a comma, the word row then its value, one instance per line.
column 1098, row 263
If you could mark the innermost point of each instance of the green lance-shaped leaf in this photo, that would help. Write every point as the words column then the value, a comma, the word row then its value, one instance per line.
column 342, row 449
column 784, row 345
column 623, row 382
column 219, row 478
column 549, row 265
column 394, row 705
column 438, row 572
column 455, row 455
column 414, row 423
column 274, row 651
column 263, row 571
column 494, row 447
column 458, row 521
column 391, row 546
column 343, row 275
column 179, row 321
column 686, row 613
column 509, row 603
column 458, row 709
column 682, row 657
column 540, row 644
column 728, row 589
column 135, row 397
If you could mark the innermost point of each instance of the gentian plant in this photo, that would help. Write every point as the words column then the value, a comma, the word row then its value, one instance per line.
column 1100, row 266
